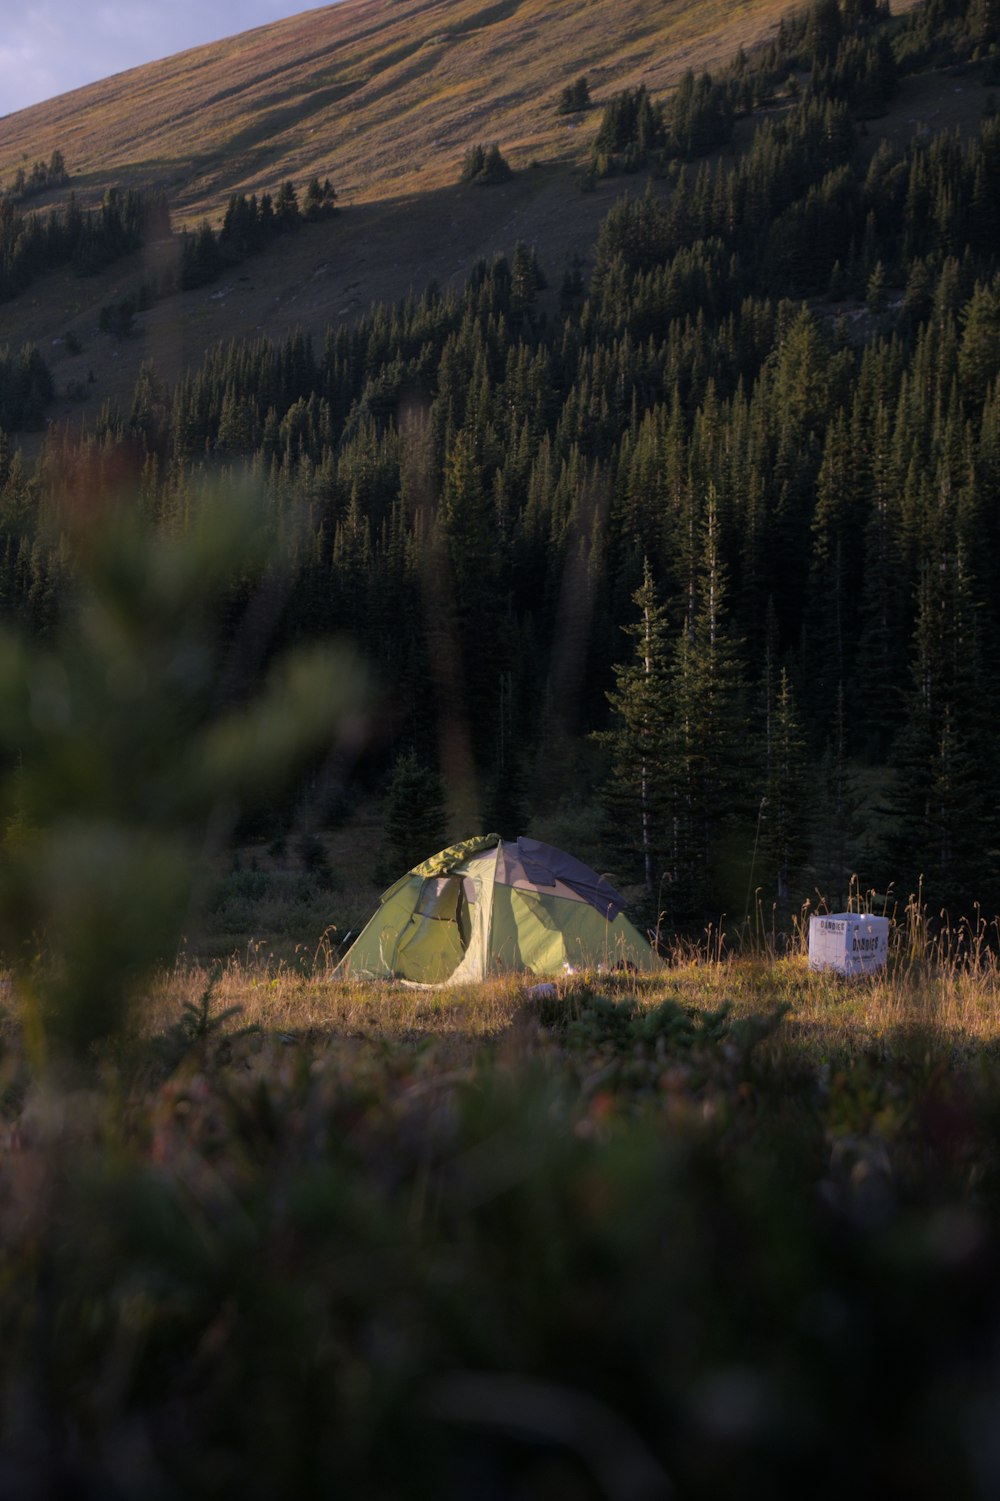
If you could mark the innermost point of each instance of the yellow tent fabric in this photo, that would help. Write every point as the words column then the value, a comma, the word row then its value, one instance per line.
column 455, row 854
column 430, row 946
column 486, row 907
column 478, row 883
column 548, row 935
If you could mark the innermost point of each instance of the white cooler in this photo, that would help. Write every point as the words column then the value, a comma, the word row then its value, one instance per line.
column 853, row 943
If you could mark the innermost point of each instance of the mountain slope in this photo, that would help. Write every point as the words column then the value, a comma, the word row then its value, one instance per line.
column 361, row 91
column 329, row 273
column 384, row 96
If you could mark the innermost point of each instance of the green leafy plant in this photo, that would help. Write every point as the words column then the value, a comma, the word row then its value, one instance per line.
column 198, row 1025
column 123, row 751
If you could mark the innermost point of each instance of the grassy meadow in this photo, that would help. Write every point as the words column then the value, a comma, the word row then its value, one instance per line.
column 729, row 1230
column 385, row 97
column 732, row 1229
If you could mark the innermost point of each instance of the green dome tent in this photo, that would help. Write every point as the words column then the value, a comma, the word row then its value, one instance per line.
column 486, row 907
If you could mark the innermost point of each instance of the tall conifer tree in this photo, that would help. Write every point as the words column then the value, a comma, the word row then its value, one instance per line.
column 637, row 795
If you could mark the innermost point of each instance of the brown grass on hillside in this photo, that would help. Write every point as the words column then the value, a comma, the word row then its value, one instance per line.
column 329, row 273
column 384, row 96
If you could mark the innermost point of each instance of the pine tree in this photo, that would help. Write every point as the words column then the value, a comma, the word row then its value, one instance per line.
column 467, row 524
column 321, row 199
column 575, row 97
column 881, row 651
column 286, row 208
column 835, row 564
column 784, row 823
column 979, row 352
column 800, row 394
column 943, row 825
column 707, row 746
column 414, row 812
column 824, row 29
column 835, row 813
column 201, row 258
column 637, row 796
column 485, row 165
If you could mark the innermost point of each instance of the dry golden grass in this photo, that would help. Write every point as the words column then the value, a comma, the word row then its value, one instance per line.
column 955, row 1006
column 383, row 95
column 278, row 998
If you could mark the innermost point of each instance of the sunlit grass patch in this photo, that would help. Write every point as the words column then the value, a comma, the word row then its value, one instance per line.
column 824, row 1013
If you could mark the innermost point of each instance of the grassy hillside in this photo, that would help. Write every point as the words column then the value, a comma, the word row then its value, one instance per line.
column 384, row 95
column 327, row 274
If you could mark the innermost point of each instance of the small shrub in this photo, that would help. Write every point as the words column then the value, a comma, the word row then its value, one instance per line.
column 314, row 859
column 118, row 318
column 196, row 1027
column 574, row 98
column 243, row 886
column 486, row 166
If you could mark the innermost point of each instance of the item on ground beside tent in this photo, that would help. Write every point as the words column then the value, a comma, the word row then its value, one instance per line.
column 853, row 943
column 487, row 907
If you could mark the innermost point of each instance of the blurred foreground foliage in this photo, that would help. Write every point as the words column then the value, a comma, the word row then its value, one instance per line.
column 133, row 738
column 627, row 1247
column 623, row 1251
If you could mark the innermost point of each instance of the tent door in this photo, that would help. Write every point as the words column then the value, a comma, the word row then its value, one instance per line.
column 431, row 945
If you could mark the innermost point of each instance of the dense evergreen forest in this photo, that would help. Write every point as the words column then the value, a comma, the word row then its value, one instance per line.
column 85, row 239
column 715, row 547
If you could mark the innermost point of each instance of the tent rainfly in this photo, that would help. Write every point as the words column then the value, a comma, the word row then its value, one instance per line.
column 486, row 907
